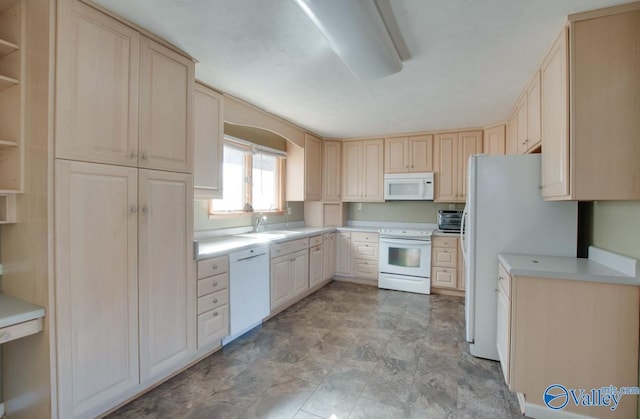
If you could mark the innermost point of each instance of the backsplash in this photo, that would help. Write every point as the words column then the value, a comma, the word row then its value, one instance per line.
column 398, row 211
column 201, row 221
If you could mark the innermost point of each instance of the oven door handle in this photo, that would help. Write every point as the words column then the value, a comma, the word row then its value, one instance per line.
column 405, row 241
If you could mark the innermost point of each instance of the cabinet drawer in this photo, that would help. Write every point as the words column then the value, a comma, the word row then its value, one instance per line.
column 366, row 269
column 443, row 277
column 358, row 236
column 291, row 246
column 16, row 331
column 444, row 241
column 365, row 251
column 315, row 241
column 213, row 284
column 213, row 266
column 214, row 300
column 504, row 280
column 213, row 326
column 445, row 257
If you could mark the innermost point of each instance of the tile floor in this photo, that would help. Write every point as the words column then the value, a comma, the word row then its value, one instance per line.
column 347, row 351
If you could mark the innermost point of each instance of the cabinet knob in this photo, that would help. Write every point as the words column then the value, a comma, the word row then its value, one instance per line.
column 145, row 156
column 215, row 284
column 145, row 209
column 133, row 155
column 215, row 313
column 215, row 301
column 133, row 210
column 215, row 266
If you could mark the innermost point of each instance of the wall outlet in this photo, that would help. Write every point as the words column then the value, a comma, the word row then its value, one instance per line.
column 288, row 210
column 359, row 206
column 452, row 206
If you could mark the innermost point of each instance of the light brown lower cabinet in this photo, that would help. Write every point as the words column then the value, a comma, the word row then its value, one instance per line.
column 213, row 301
column 447, row 265
column 289, row 271
column 316, row 262
column 578, row 334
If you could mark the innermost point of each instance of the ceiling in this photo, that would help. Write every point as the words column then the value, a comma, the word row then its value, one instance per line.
column 469, row 59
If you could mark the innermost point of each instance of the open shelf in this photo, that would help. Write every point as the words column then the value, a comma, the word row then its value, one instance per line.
column 6, row 82
column 7, row 48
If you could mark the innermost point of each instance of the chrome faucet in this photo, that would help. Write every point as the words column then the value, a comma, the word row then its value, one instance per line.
column 260, row 221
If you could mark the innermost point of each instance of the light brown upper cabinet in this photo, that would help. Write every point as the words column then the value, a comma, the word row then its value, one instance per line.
column 166, row 102
column 452, row 151
column 97, row 89
column 121, row 98
column 408, row 154
column 331, row 169
column 208, row 138
column 511, row 146
column 590, row 116
column 363, row 171
column 528, row 111
column 304, row 170
column 494, row 140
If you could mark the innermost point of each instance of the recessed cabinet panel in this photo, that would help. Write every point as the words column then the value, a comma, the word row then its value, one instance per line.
column 167, row 289
column 97, row 88
column 166, row 92
column 96, row 283
column 208, row 137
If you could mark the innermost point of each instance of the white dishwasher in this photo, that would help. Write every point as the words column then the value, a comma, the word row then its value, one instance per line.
column 248, row 290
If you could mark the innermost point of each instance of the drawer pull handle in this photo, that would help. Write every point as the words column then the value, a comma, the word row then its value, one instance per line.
column 215, row 301
column 5, row 337
column 215, row 314
column 215, row 266
column 215, row 284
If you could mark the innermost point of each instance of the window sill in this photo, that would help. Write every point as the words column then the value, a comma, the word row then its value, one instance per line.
column 240, row 214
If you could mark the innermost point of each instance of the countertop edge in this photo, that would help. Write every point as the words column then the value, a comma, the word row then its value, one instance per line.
column 574, row 276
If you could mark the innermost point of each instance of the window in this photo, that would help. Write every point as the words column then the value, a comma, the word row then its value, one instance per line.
column 253, row 179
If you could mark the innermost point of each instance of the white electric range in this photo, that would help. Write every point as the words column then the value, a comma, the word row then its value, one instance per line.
column 405, row 260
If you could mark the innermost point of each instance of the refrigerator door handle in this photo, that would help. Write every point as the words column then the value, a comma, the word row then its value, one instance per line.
column 462, row 234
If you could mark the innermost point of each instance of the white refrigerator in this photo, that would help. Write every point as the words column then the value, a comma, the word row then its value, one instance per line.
column 505, row 213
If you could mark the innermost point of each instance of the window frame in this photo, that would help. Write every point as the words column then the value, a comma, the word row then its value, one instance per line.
column 250, row 151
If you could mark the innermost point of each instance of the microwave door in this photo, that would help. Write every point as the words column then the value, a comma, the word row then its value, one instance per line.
column 404, row 189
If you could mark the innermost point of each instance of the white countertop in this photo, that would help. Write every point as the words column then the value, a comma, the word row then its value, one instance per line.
column 14, row 311
column 438, row 232
column 578, row 269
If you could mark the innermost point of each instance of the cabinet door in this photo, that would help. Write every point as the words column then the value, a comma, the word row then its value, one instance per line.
column 512, row 135
column 300, row 272
column 502, row 332
column 521, row 111
column 166, row 286
column 533, row 113
column 470, row 143
column 494, row 141
column 331, row 178
column 316, row 264
column 343, row 254
column 555, row 120
column 166, row 120
column 281, row 289
column 208, row 138
column 97, row 87
column 352, row 171
column 446, row 166
column 329, row 256
column 213, row 326
column 96, row 284
column 312, row 168
column 444, row 257
column 396, row 155
column 421, row 153
column 373, row 170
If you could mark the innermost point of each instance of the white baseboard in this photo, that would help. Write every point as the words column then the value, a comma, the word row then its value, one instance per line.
column 542, row 412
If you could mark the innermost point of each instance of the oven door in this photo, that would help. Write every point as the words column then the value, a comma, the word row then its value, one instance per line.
column 405, row 257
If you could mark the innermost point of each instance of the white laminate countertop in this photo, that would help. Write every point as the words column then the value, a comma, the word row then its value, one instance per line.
column 14, row 311
column 578, row 269
column 218, row 246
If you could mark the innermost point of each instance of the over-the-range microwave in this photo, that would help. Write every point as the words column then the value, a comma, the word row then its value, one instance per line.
column 408, row 186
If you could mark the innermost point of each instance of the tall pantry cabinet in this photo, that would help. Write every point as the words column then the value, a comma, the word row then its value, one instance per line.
column 115, row 268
